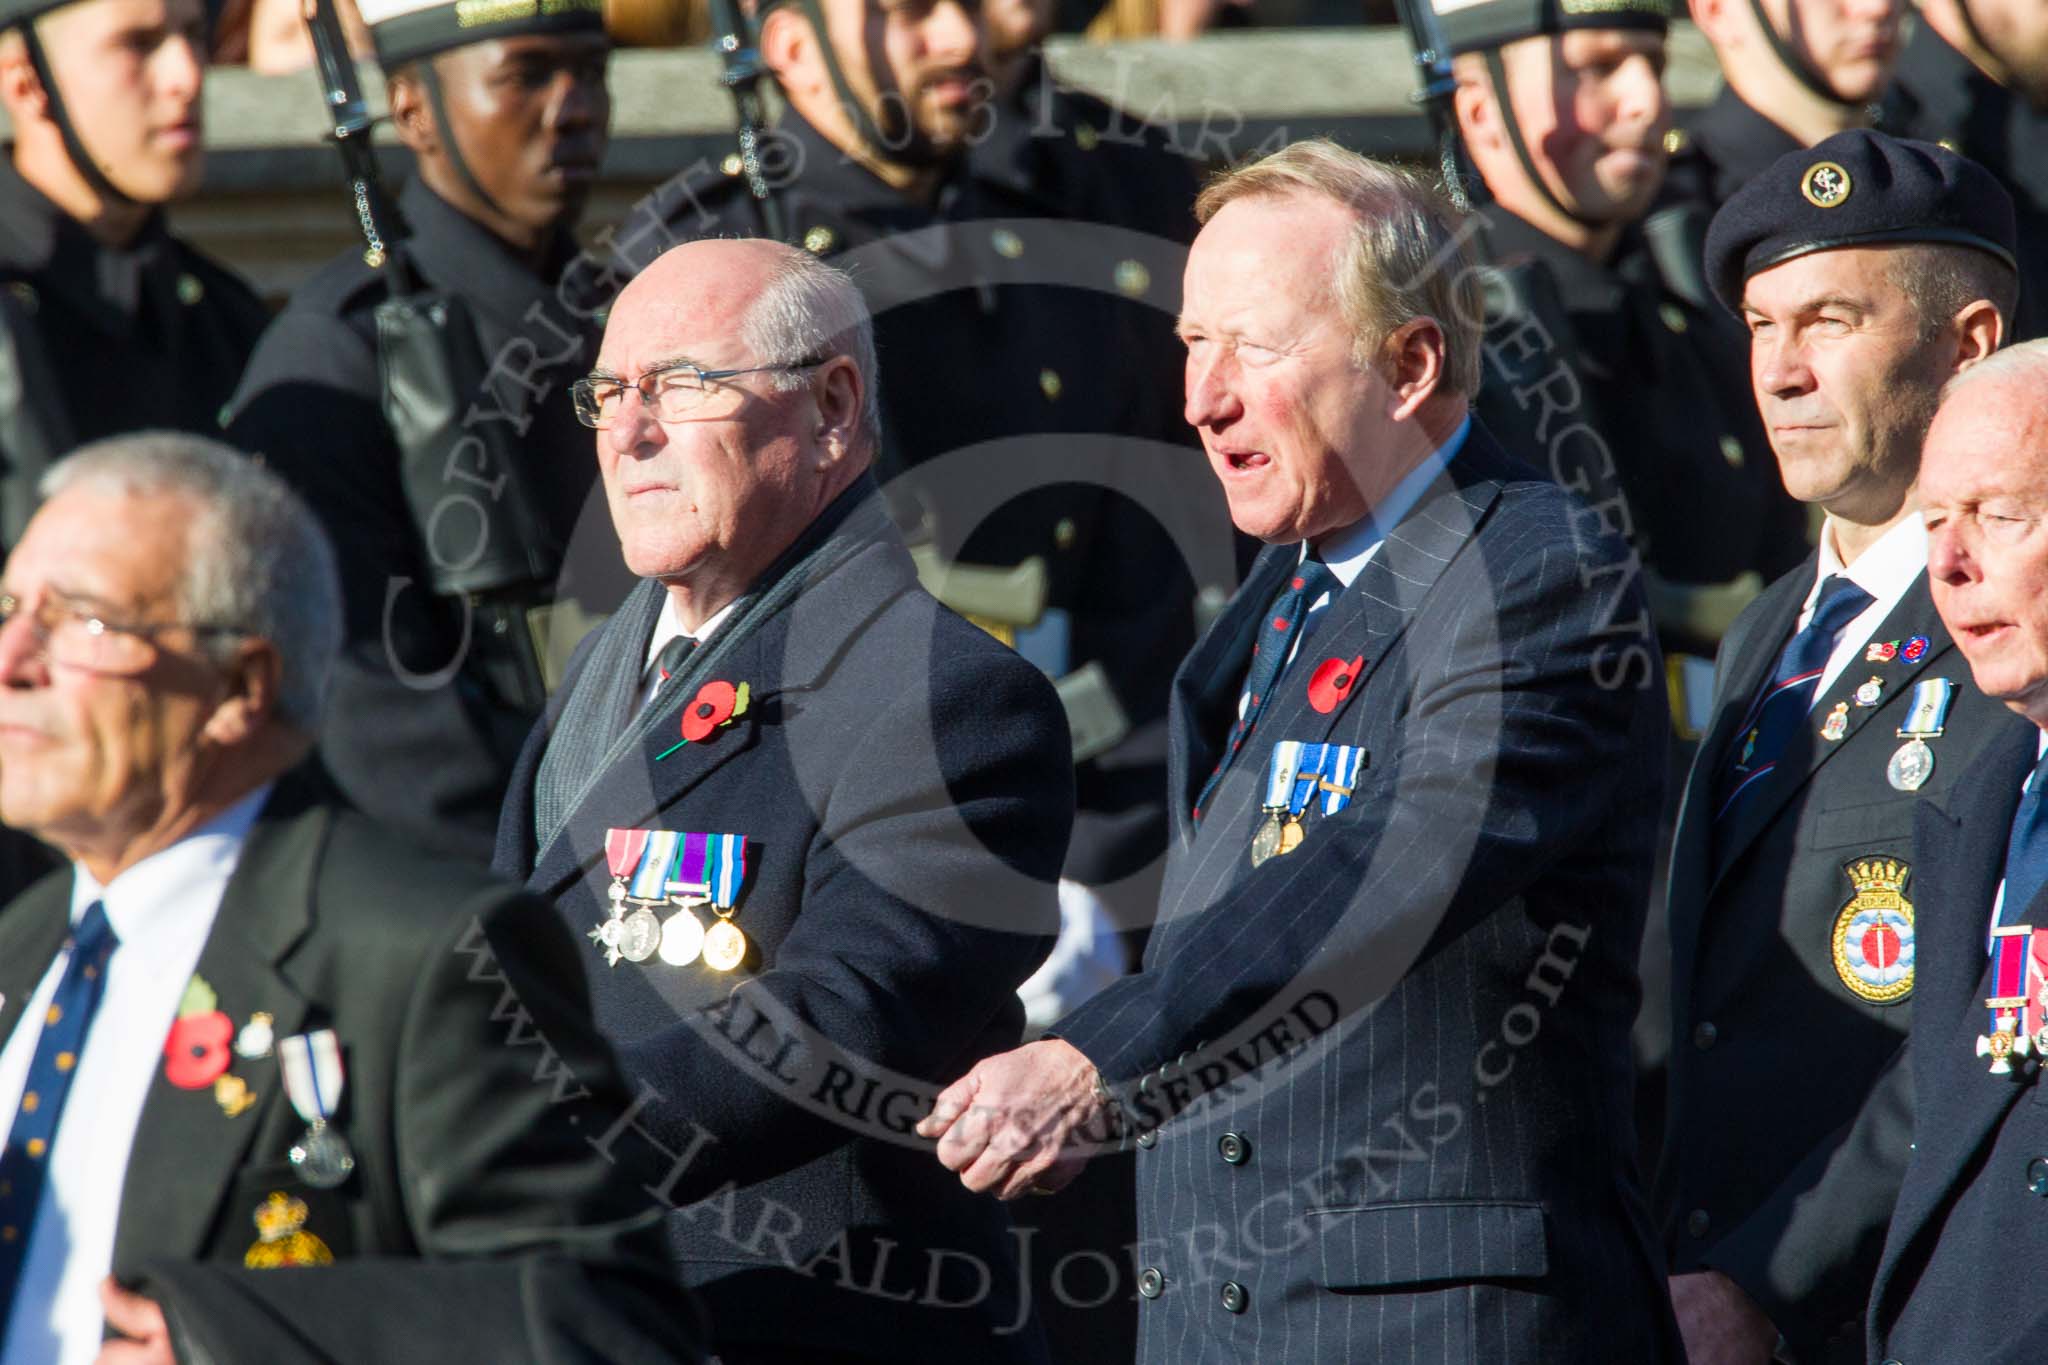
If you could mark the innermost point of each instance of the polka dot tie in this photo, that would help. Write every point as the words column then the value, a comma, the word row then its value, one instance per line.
column 1284, row 623
column 25, row 1163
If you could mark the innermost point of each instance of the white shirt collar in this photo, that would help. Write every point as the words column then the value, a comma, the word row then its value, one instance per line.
column 1346, row 552
column 150, row 900
column 1885, row 570
column 669, row 625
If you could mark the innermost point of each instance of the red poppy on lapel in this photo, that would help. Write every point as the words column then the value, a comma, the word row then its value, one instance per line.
column 196, row 1052
column 1332, row 682
column 716, row 704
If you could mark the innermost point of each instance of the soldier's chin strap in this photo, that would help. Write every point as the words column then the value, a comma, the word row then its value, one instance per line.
column 1498, row 72
column 431, row 80
column 1802, row 70
column 1976, row 34
column 74, row 148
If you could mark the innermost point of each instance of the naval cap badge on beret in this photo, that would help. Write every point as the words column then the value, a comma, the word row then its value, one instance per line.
column 1859, row 188
column 1475, row 25
column 406, row 30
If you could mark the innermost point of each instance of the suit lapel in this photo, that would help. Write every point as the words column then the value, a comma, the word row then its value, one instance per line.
column 1807, row 751
column 788, row 654
column 32, row 931
column 1364, row 621
column 1207, row 684
column 1961, row 857
column 187, row 1150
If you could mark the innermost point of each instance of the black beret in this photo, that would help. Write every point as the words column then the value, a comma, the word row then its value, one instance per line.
column 1475, row 25
column 1859, row 188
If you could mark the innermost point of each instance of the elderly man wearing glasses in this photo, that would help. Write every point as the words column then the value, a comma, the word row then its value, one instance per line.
column 243, row 1029
column 809, row 820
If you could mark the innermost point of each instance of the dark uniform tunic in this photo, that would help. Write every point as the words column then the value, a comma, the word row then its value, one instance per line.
column 1671, row 399
column 151, row 334
column 1027, row 416
column 424, row 751
column 1939, row 95
column 1662, row 382
column 1723, row 148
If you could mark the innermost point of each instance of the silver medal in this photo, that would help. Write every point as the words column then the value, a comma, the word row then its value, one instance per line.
column 639, row 936
column 1911, row 766
column 322, row 1157
column 682, row 938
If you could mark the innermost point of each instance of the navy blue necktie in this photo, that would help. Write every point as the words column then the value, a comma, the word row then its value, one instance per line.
column 2026, row 850
column 1285, row 620
column 25, row 1164
column 1781, row 708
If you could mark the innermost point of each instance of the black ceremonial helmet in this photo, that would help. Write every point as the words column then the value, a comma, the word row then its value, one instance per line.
column 407, row 31
column 1485, row 26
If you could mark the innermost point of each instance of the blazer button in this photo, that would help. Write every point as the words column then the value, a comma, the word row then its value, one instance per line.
column 1149, row 1138
column 2037, row 1176
column 1150, row 1282
column 1234, row 1149
column 1234, row 1298
column 1696, row 1223
column 1704, row 1035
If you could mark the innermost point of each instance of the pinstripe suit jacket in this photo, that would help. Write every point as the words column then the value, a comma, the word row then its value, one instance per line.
column 1382, row 1083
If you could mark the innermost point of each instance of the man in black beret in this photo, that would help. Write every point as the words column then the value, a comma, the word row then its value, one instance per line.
column 1796, row 71
column 1868, row 271
column 1974, row 78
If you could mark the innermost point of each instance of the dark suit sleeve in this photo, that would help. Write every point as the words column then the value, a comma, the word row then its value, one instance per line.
column 928, row 898
column 405, row 741
column 532, row 1244
column 1509, row 752
column 1808, row 1254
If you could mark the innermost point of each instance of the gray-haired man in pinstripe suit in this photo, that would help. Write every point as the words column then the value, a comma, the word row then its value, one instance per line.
column 1376, row 1063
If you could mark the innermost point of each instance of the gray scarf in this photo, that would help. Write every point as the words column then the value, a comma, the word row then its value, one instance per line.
column 597, row 726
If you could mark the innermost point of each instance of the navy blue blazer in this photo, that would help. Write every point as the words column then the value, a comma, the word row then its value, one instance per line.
column 905, row 785
column 1383, row 1081
column 1969, row 1226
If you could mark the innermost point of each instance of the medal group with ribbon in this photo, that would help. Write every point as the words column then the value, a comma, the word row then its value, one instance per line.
column 1927, row 705
column 1295, row 776
column 655, row 871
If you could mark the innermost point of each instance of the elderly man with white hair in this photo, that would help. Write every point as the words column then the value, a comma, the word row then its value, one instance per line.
column 810, row 820
column 244, row 1030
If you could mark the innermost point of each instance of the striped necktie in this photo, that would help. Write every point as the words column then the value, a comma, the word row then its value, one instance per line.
column 1285, row 621
column 25, row 1164
column 1781, row 708
column 2026, row 850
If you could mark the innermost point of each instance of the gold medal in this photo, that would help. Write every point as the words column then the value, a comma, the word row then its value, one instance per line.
column 1291, row 835
column 1266, row 839
column 724, row 946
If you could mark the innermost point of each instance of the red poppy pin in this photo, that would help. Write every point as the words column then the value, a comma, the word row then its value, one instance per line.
column 716, row 705
column 1332, row 682
column 196, row 1052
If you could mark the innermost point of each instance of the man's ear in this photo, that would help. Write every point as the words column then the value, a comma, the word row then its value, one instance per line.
column 1474, row 102
column 412, row 113
column 252, row 677
column 1416, row 357
column 1711, row 18
column 21, row 90
column 787, row 44
column 841, row 396
column 1979, row 331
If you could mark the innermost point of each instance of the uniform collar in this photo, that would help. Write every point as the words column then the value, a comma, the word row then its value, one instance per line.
column 1583, row 283
column 104, row 282
column 460, row 254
